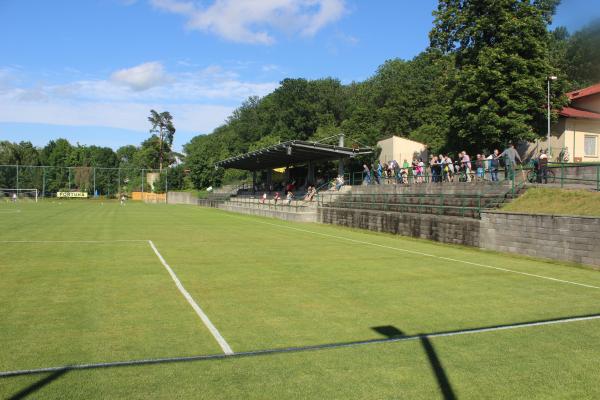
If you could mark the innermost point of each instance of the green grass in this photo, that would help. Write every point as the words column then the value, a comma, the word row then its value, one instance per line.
column 557, row 202
column 272, row 284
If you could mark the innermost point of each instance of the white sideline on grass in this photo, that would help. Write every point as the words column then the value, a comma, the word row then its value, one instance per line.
column 75, row 241
column 215, row 332
column 424, row 254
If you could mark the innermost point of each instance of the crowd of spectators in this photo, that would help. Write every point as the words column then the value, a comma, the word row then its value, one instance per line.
column 443, row 168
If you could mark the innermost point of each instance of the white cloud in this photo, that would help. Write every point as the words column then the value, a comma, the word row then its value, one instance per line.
column 199, row 100
column 141, row 77
column 251, row 21
column 201, row 118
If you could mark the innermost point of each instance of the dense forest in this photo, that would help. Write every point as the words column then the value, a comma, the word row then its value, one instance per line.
column 480, row 84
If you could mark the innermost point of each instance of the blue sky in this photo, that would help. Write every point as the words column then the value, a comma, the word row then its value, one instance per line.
column 91, row 70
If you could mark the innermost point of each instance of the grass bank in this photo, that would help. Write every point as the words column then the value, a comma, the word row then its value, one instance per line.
column 557, row 201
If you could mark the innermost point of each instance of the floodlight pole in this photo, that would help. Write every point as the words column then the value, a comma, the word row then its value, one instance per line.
column 142, row 183
column 17, row 176
column 550, row 78
column 94, row 181
column 341, row 163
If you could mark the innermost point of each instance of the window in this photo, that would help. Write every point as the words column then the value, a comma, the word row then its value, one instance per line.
column 590, row 145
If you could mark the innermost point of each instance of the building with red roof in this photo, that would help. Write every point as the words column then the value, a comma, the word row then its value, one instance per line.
column 577, row 133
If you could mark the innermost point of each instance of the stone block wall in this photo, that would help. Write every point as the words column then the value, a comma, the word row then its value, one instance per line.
column 444, row 229
column 566, row 238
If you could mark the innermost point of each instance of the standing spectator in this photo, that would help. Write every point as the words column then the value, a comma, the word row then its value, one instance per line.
column 376, row 173
column 466, row 165
column 276, row 198
column 494, row 165
column 450, row 167
column 510, row 157
column 366, row 174
column 379, row 174
column 420, row 170
column 543, row 167
column 432, row 170
column 479, row 167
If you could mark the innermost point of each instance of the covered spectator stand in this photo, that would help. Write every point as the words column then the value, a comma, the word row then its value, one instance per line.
column 292, row 153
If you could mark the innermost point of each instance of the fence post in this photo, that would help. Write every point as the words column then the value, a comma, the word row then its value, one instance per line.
column 142, row 183
column 43, row 181
column 513, row 182
column 562, row 174
column 94, row 181
column 166, row 186
column 17, row 178
column 598, row 177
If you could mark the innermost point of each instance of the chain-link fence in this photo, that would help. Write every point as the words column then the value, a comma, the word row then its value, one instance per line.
column 95, row 181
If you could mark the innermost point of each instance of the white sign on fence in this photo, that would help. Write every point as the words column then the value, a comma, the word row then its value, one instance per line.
column 72, row 194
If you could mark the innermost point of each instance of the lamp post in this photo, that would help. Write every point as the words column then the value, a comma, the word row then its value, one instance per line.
column 550, row 78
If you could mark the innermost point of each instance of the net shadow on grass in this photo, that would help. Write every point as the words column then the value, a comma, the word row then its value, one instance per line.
column 436, row 365
column 297, row 349
column 34, row 387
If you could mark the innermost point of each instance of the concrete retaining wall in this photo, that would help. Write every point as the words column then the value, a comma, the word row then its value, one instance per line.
column 444, row 229
column 181, row 198
column 265, row 212
column 566, row 238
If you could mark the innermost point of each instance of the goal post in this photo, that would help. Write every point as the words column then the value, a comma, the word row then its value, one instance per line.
column 11, row 194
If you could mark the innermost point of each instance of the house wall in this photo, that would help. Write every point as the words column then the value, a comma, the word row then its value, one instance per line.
column 576, row 131
column 400, row 149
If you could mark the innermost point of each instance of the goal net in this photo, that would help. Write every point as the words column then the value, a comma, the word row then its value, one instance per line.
column 9, row 194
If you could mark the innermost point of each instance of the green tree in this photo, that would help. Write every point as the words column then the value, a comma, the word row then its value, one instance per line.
column 582, row 57
column 163, row 128
column 502, row 63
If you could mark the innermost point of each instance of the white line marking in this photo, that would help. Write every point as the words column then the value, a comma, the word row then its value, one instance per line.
column 10, row 211
column 75, row 241
column 290, row 349
column 426, row 254
column 224, row 345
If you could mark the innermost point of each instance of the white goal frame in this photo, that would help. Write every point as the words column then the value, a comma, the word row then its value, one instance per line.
column 18, row 191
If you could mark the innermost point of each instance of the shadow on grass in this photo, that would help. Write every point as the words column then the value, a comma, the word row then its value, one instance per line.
column 34, row 387
column 392, row 335
column 436, row 365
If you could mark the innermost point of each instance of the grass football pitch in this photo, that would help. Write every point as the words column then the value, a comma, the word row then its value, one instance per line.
column 142, row 301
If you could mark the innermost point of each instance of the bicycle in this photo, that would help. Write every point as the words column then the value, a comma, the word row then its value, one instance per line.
column 532, row 176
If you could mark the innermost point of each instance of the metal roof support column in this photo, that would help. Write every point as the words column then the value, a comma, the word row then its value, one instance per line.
column 341, row 164
column 310, row 177
column 270, row 180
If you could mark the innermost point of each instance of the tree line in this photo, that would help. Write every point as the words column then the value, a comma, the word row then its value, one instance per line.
column 72, row 165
